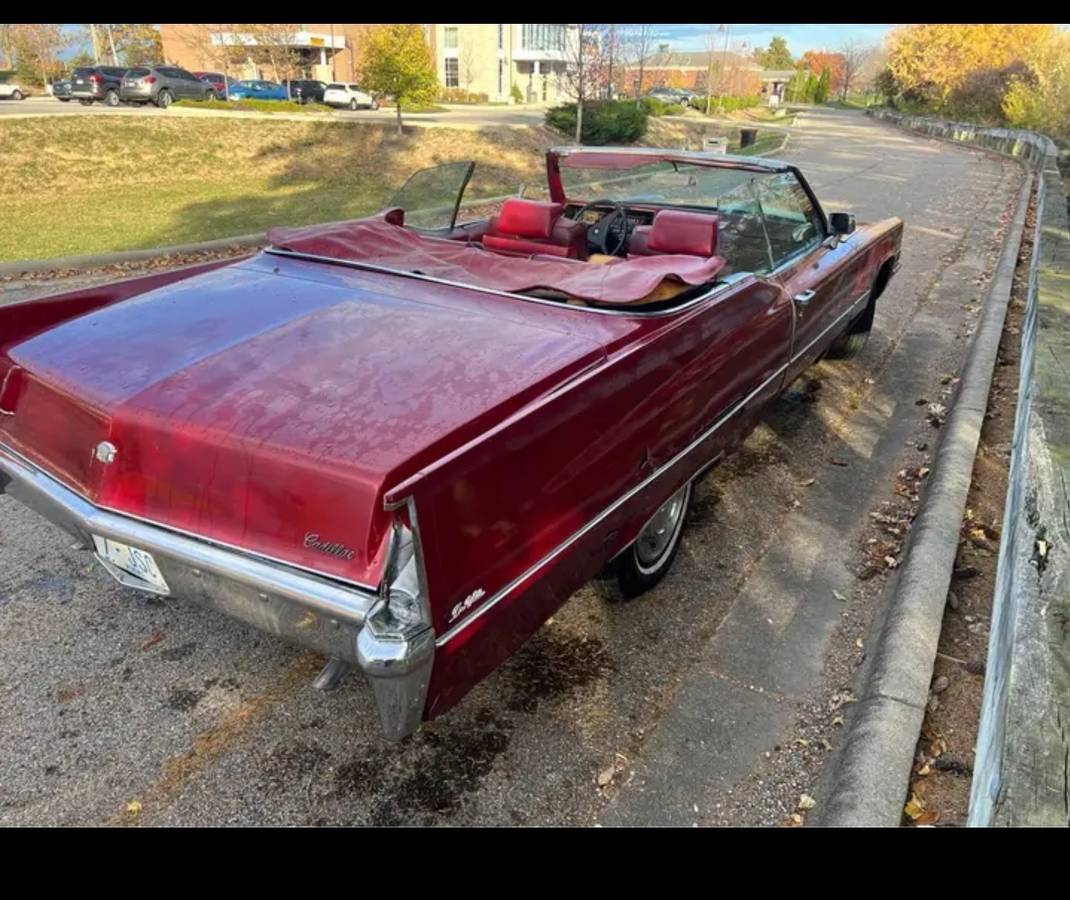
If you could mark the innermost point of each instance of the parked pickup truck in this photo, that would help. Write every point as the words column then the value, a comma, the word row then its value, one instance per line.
column 405, row 440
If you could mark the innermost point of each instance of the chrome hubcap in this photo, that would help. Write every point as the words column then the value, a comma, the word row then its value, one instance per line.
column 661, row 530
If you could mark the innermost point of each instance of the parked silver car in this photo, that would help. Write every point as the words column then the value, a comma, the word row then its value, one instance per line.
column 163, row 85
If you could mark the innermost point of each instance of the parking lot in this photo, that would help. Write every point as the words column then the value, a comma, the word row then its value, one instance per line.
column 455, row 116
column 715, row 699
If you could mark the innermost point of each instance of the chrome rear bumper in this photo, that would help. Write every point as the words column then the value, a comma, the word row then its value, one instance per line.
column 331, row 618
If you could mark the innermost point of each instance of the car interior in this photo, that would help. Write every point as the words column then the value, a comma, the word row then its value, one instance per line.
column 673, row 236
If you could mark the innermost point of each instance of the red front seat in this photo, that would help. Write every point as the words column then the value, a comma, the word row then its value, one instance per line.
column 528, row 226
column 676, row 231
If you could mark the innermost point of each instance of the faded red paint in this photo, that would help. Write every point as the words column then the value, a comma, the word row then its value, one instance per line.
column 257, row 402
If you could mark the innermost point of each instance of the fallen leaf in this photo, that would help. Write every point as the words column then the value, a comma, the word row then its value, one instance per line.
column 151, row 641
column 925, row 769
column 806, row 802
column 838, row 720
column 606, row 776
column 807, row 482
column 929, row 817
column 839, row 596
column 825, row 742
column 914, row 807
column 134, row 808
column 891, row 562
column 802, row 742
column 795, row 821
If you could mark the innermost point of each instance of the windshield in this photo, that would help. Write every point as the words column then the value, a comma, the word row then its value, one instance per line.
column 662, row 182
column 430, row 197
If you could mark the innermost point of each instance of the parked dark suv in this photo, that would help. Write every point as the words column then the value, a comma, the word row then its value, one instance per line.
column 102, row 83
column 163, row 85
column 306, row 91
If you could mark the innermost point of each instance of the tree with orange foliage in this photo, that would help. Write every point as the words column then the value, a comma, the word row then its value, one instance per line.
column 817, row 61
column 931, row 62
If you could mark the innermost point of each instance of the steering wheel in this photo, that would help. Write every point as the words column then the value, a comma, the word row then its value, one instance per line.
column 613, row 226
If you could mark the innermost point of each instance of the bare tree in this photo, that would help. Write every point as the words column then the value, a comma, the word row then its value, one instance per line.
column 273, row 45
column 634, row 52
column 210, row 44
column 854, row 58
column 467, row 63
column 585, row 68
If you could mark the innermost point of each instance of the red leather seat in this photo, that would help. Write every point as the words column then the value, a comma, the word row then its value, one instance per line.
column 525, row 227
column 676, row 231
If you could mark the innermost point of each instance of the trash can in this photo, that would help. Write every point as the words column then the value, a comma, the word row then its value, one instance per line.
column 747, row 136
column 715, row 145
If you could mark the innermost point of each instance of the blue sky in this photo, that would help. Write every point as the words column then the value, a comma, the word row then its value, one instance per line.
column 800, row 38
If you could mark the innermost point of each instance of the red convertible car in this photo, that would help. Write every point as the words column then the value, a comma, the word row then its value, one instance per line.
column 405, row 441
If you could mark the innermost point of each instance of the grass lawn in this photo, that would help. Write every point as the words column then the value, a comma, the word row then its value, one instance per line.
column 74, row 185
column 260, row 106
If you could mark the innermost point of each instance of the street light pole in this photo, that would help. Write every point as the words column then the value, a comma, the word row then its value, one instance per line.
column 111, row 42
column 724, row 67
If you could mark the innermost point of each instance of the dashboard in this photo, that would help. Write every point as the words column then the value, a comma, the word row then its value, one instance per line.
column 594, row 215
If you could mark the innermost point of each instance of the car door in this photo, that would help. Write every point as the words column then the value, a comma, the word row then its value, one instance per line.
column 192, row 85
column 806, row 263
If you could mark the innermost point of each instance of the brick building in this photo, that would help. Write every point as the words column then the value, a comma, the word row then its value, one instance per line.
column 326, row 52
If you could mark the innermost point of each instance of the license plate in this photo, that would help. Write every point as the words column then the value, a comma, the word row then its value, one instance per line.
column 138, row 565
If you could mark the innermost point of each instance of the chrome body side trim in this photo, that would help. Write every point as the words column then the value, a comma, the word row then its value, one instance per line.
column 503, row 592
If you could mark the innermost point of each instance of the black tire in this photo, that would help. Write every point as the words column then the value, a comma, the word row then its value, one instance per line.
column 848, row 346
column 353, row 105
column 650, row 557
column 18, row 95
column 164, row 99
column 111, row 98
column 64, row 99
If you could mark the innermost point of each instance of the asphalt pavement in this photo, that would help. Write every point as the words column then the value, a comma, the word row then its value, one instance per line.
column 455, row 116
column 715, row 699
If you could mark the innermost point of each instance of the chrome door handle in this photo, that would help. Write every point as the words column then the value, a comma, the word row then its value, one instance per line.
column 805, row 297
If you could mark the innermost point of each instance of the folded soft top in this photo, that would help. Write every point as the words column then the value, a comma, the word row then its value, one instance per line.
column 377, row 242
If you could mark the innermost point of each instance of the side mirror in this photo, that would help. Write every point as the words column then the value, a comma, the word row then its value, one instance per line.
column 842, row 223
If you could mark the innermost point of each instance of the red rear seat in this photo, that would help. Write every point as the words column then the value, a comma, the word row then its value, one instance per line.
column 527, row 226
column 676, row 231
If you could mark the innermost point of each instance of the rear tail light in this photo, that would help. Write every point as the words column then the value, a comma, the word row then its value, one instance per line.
column 150, row 80
column 96, row 79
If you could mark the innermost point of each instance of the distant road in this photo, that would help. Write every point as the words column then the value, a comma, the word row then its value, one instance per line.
column 455, row 117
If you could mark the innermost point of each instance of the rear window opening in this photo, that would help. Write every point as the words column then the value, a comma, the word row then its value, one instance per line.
column 137, row 73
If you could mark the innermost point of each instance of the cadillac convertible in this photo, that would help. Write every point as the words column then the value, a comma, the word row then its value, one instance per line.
column 404, row 441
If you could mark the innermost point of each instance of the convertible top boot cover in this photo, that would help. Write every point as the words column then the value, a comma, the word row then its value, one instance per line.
column 376, row 242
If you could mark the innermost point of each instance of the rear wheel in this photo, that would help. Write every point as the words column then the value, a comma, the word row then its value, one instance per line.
column 18, row 95
column 111, row 98
column 353, row 105
column 848, row 346
column 164, row 99
column 649, row 558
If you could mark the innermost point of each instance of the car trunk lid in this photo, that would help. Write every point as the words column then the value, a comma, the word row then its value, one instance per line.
column 271, row 413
